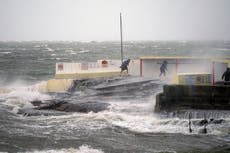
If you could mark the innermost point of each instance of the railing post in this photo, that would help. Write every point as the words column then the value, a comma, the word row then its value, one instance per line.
column 176, row 66
column 140, row 67
column 213, row 73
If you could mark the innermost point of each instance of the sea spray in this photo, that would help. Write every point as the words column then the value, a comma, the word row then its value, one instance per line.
column 130, row 125
column 81, row 149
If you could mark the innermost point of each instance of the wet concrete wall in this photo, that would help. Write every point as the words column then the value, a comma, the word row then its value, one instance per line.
column 181, row 97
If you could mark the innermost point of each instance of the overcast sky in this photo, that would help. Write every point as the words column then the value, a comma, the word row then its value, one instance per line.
column 87, row 20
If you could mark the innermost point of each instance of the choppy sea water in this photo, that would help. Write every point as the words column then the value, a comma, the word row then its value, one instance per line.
column 128, row 125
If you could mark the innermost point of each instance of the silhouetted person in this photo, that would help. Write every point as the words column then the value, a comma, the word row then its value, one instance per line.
column 189, row 123
column 163, row 68
column 124, row 66
column 226, row 76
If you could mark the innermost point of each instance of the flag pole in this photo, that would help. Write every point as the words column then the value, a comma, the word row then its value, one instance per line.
column 121, row 38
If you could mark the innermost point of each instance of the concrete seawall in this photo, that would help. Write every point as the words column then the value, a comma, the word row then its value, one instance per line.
column 182, row 97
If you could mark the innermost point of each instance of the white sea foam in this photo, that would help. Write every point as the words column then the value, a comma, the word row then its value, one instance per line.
column 73, row 53
column 133, row 115
column 5, row 52
column 48, row 49
column 145, row 123
column 183, row 41
column 223, row 49
column 138, row 118
column 70, row 51
column 19, row 96
column 136, row 121
column 81, row 149
column 70, row 121
column 84, row 51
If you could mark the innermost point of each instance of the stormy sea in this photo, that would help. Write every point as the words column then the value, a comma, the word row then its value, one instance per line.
column 128, row 124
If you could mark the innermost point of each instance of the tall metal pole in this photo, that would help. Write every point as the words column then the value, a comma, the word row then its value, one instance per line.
column 121, row 38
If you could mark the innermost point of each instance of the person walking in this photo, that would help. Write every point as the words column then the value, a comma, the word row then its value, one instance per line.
column 226, row 76
column 124, row 66
column 163, row 68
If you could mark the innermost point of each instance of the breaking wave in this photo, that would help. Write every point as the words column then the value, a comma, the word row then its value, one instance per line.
column 135, row 112
column 19, row 96
column 81, row 149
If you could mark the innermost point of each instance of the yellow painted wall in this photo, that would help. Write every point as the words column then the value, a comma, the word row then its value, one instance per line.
column 58, row 85
column 202, row 79
column 86, row 75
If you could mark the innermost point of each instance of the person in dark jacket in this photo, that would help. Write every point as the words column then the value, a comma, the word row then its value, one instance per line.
column 226, row 76
column 163, row 68
column 124, row 66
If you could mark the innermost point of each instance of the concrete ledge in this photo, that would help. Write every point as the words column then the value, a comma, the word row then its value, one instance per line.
column 91, row 74
column 196, row 90
column 180, row 97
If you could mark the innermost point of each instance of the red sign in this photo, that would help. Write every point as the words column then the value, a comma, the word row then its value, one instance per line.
column 60, row 67
column 84, row 66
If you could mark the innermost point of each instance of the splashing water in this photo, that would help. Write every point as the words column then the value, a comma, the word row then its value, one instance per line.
column 128, row 125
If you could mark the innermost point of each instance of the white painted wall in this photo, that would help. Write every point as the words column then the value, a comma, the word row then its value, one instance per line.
column 220, row 68
column 151, row 68
column 71, row 68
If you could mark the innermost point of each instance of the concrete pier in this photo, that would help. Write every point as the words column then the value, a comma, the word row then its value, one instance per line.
column 182, row 97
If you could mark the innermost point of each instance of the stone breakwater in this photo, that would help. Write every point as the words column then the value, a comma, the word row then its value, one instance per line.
column 182, row 97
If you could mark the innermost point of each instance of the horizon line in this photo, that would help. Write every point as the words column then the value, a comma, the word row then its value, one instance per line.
column 190, row 40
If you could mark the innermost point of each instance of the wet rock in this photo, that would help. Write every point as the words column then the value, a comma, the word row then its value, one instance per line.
column 203, row 122
column 33, row 112
column 197, row 97
column 50, row 107
column 83, row 107
column 36, row 102
column 213, row 121
column 64, row 106
column 51, row 104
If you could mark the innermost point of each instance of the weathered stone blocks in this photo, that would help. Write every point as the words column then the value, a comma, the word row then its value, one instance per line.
column 180, row 97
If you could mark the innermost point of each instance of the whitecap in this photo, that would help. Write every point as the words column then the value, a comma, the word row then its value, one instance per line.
column 223, row 49
column 18, row 96
column 37, row 46
column 84, row 51
column 48, row 49
column 82, row 149
column 70, row 51
column 5, row 52
column 183, row 41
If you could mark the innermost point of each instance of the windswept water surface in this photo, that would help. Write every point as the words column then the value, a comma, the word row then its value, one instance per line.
column 128, row 125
